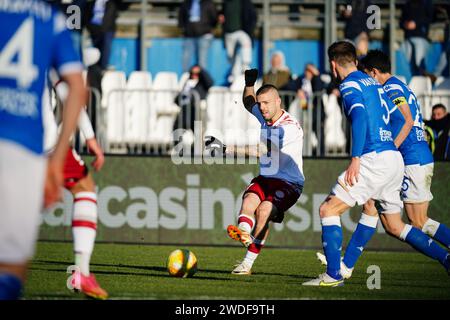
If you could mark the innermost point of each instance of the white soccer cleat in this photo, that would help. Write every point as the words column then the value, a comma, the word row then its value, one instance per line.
column 324, row 280
column 242, row 269
column 346, row 272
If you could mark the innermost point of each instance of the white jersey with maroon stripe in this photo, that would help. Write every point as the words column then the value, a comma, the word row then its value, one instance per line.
column 50, row 123
column 284, row 141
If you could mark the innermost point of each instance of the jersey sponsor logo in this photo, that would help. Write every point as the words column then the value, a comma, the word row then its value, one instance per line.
column 18, row 103
column 385, row 135
column 38, row 9
column 420, row 134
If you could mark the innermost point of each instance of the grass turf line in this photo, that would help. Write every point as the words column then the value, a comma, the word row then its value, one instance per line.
column 139, row 272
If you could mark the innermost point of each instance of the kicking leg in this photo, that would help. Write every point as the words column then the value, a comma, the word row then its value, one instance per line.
column 246, row 220
column 265, row 211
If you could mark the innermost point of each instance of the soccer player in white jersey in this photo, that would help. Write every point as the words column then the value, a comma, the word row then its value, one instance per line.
column 407, row 124
column 281, row 179
column 33, row 38
column 81, row 184
column 375, row 172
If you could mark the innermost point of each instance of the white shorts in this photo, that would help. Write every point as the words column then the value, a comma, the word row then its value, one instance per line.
column 21, row 196
column 416, row 186
column 380, row 178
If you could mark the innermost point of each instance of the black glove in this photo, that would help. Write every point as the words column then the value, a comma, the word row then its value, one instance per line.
column 214, row 146
column 250, row 77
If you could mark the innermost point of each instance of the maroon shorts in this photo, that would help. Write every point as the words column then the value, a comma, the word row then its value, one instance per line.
column 280, row 193
column 74, row 169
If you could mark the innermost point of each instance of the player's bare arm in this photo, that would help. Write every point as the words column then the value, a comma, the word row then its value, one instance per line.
column 407, row 126
column 249, row 96
column 95, row 148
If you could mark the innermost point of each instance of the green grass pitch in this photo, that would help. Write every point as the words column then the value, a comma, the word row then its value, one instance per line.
column 129, row 271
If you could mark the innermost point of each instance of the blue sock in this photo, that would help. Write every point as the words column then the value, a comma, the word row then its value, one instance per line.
column 355, row 247
column 423, row 243
column 443, row 235
column 332, row 242
column 10, row 287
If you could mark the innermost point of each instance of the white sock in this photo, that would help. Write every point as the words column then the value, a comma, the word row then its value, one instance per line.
column 430, row 227
column 246, row 223
column 250, row 258
column 84, row 224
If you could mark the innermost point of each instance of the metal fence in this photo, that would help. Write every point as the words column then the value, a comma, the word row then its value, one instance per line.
column 146, row 121
column 138, row 121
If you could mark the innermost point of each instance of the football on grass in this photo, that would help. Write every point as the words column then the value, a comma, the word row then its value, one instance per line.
column 182, row 263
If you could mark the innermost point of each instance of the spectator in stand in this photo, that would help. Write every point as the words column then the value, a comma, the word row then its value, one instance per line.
column 356, row 30
column 239, row 20
column 306, row 86
column 199, row 81
column 442, row 68
column 102, row 16
column 415, row 21
column 438, row 132
column 197, row 19
column 279, row 74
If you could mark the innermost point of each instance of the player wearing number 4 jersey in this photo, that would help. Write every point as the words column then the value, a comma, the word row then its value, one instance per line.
column 281, row 179
column 33, row 38
column 407, row 125
column 375, row 172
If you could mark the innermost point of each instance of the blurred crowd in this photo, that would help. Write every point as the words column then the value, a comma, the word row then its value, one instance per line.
column 237, row 19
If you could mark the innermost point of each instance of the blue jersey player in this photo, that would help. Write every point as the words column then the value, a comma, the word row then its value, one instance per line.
column 376, row 169
column 33, row 38
column 407, row 128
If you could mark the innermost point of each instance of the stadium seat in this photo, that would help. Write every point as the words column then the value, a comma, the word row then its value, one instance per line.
column 240, row 127
column 184, row 77
column 334, row 134
column 165, row 89
column 139, row 114
column 442, row 83
column 238, row 83
column 215, row 108
column 326, row 78
column 441, row 93
column 421, row 86
column 402, row 78
column 113, row 83
column 438, row 81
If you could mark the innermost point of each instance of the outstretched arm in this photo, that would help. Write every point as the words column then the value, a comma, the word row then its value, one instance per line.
column 249, row 97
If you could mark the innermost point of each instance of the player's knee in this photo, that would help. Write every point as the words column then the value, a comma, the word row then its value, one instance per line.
column 418, row 222
column 394, row 229
column 370, row 209
column 85, row 184
column 263, row 212
column 324, row 210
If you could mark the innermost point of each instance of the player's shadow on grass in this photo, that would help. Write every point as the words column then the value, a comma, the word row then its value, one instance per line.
column 160, row 271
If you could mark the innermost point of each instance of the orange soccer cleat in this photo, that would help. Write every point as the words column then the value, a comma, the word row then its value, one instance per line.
column 239, row 235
